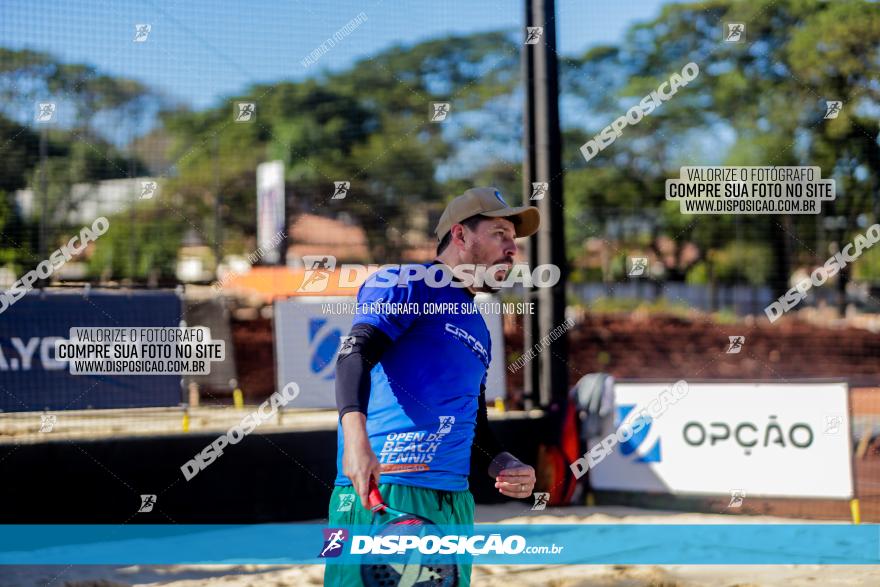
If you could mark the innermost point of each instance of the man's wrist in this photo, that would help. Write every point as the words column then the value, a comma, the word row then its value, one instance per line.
column 502, row 461
column 354, row 428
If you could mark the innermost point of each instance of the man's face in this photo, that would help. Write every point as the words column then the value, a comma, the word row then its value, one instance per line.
column 490, row 243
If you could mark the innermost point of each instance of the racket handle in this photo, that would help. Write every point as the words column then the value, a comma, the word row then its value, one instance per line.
column 374, row 498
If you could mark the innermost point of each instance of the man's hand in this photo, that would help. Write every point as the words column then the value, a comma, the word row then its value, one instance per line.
column 359, row 462
column 512, row 477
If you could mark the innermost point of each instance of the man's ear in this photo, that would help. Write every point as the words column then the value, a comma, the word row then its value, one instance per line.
column 457, row 232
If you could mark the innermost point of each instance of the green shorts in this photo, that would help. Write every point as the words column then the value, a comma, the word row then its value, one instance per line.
column 441, row 507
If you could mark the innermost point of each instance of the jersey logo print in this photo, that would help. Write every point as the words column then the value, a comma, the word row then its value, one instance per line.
column 472, row 343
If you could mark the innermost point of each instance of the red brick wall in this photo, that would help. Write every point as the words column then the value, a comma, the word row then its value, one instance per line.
column 254, row 356
column 673, row 347
column 649, row 347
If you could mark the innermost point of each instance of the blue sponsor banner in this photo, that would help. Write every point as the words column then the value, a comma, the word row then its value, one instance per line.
column 565, row 544
column 32, row 380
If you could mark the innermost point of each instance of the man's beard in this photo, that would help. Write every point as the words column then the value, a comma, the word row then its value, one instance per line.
column 491, row 289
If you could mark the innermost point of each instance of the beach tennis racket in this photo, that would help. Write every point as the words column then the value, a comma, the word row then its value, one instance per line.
column 413, row 572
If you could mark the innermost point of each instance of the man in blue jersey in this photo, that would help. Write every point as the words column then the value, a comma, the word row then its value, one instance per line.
column 410, row 385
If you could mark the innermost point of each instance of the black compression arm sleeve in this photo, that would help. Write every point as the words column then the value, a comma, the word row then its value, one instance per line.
column 359, row 353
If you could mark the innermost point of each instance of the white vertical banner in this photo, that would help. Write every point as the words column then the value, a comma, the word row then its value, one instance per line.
column 495, row 379
column 270, row 209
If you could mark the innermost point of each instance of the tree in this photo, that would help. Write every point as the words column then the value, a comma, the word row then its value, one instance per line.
column 756, row 103
column 368, row 125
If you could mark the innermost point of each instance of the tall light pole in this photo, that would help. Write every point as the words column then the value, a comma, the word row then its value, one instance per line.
column 543, row 163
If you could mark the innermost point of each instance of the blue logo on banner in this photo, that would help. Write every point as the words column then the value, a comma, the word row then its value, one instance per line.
column 631, row 445
column 324, row 341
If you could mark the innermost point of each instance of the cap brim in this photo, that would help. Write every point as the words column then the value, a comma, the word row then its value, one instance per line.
column 529, row 219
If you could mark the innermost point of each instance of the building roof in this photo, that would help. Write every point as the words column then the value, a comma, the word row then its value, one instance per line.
column 317, row 235
column 271, row 283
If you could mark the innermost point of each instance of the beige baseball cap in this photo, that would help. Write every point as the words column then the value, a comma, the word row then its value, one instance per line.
column 487, row 202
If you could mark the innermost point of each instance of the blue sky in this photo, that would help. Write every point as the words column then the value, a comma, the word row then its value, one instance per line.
column 201, row 51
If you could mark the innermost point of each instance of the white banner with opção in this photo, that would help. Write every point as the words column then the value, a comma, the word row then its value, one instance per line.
column 761, row 439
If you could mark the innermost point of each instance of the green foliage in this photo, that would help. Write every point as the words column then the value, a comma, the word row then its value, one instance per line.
column 628, row 305
column 699, row 274
column 367, row 125
column 18, row 153
column 76, row 153
column 739, row 262
column 867, row 268
column 14, row 250
column 755, row 103
column 143, row 250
